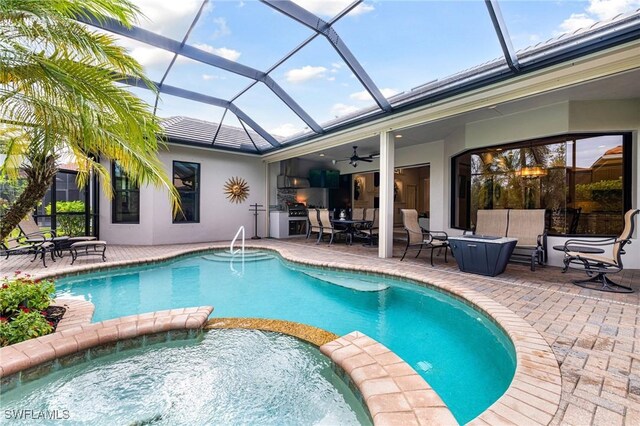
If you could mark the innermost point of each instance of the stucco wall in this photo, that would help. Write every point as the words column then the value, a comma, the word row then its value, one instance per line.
column 219, row 218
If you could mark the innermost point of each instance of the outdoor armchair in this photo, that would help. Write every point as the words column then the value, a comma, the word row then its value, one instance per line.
column 436, row 240
column 598, row 266
column 420, row 238
column 314, row 223
column 327, row 226
column 370, row 229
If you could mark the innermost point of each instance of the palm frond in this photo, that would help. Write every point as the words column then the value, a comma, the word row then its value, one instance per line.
column 58, row 82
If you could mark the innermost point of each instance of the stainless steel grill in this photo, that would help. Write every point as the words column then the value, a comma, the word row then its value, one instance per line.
column 297, row 210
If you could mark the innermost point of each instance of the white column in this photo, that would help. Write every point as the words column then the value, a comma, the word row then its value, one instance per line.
column 387, row 161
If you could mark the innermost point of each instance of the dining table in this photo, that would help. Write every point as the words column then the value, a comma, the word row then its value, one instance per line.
column 350, row 226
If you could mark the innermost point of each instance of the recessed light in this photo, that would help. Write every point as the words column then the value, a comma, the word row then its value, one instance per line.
column 498, row 149
column 398, row 136
column 321, row 155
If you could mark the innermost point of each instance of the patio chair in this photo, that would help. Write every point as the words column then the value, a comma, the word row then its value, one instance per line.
column 597, row 266
column 326, row 226
column 29, row 228
column 415, row 234
column 437, row 240
column 528, row 227
column 32, row 245
column 357, row 213
column 314, row 223
column 372, row 231
column 425, row 239
column 492, row 222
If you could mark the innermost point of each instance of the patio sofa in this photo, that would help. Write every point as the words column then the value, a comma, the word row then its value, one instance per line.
column 527, row 225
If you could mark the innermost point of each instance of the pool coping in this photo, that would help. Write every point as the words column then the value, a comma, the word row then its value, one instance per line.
column 85, row 335
column 387, row 387
column 533, row 396
column 394, row 393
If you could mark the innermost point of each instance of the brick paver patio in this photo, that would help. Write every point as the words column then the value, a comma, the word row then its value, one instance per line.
column 595, row 336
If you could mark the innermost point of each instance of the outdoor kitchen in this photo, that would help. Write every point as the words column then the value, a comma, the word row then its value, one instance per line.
column 302, row 184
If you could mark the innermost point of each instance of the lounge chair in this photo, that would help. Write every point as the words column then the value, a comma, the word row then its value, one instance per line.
column 420, row 238
column 597, row 266
column 29, row 228
column 33, row 245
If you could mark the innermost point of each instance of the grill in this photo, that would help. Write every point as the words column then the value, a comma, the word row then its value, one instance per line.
column 297, row 209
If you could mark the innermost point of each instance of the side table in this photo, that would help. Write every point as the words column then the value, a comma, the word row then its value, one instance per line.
column 579, row 249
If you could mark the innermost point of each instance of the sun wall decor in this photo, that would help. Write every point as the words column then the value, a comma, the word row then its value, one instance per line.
column 236, row 189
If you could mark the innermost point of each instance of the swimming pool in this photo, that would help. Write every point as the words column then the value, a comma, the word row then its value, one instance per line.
column 226, row 377
column 463, row 355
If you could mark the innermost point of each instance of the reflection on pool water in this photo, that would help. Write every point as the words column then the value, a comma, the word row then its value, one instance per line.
column 228, row 377
column 465, row 357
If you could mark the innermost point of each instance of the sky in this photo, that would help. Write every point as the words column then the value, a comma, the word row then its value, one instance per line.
column 401, row 45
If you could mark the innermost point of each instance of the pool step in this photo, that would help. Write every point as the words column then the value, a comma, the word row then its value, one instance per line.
column 347, row 282
column 249, row 256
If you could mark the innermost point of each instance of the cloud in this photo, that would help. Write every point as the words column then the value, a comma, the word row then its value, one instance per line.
column 339, row 109
column 598, row 10
column 607, row 9
column 151, row 56
column 575, row 22
column 331, row 8
column 299, row 75
column 365, row 96
column 285, row 130
column 222, row 28
column 169, row 18
column 208, row 77
column 226, row 53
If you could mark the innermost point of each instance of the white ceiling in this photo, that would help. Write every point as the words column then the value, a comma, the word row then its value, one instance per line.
column 621, row 86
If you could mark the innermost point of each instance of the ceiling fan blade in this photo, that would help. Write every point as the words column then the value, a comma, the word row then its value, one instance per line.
column 366, row 159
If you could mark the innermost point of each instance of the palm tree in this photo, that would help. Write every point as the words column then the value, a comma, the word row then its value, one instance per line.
column 59, row 97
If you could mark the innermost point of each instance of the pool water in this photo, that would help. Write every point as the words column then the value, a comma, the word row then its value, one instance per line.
column 235, row 377
column 463, row 355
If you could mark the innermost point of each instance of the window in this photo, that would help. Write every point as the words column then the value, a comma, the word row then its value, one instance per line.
column 582, row 181
column 186, row 178
column 126, row 200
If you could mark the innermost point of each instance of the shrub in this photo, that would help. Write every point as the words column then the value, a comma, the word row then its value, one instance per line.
column 25, row 325
column 22, row 302
column 73, row 224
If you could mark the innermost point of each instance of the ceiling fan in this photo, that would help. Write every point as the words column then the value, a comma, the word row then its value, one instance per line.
column 353, row 160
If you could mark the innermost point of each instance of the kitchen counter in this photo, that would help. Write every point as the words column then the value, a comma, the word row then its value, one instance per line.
column 280, row 224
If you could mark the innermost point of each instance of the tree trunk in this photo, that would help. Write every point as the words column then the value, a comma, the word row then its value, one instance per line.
column 39, row 178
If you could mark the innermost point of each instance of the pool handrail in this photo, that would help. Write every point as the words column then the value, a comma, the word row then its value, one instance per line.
column 241, row 250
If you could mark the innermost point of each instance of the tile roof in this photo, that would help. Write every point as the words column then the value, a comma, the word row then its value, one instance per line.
column 192, row 131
